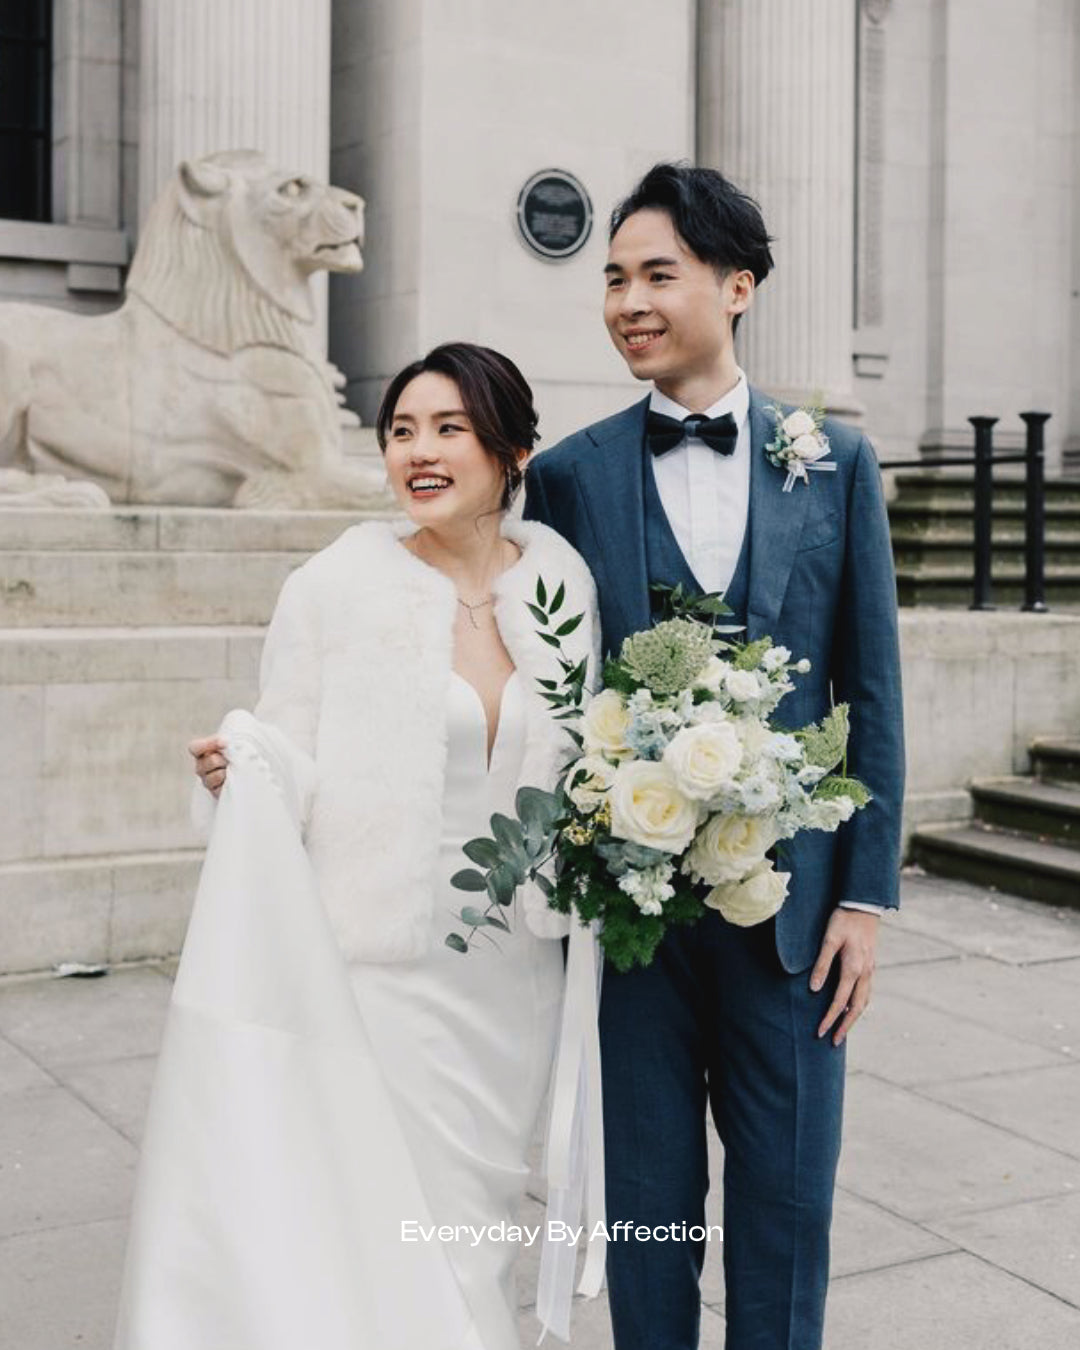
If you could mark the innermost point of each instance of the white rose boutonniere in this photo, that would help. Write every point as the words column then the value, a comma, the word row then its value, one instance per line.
column 799, row 444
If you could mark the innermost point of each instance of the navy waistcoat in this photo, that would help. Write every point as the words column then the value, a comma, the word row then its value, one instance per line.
column 666, row 562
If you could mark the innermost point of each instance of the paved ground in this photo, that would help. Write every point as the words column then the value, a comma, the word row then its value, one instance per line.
column 958, row 1214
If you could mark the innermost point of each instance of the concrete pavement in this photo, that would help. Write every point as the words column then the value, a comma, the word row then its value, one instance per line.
column 958, row 1212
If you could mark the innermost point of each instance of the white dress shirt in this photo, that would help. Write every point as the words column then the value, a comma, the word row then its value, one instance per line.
column 706, row 495
column 706, row 498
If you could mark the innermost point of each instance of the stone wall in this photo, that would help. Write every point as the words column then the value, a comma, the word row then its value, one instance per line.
column 125, row 634
column 440, row 114
column 977, row 688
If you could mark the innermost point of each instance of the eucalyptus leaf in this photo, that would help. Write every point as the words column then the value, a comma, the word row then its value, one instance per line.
column 534, row 803
column 457, row 942
column 507, row 834
column 469, row 880
column 548, row 887
column 483, row 852
column 501, row 884
column 475, row 918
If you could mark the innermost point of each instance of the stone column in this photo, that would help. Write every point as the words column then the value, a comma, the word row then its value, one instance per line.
column 233, row 74
column 442, row 112
column 776, row 114
column 230, row 75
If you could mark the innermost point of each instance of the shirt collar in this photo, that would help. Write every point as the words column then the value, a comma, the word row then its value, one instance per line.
column 736, row 401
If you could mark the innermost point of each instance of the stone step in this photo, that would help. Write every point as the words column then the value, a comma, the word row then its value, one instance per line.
column 928, row 487
column 953, row 586
column 66, row 656
column 1026, row 806
column 1056, row 759
column 153, row 565
column 176, row 529
column 106, row 588
column 95, row 724
column 121, row 907
column 1006, row 862
column 950, row 513
column 935, row 548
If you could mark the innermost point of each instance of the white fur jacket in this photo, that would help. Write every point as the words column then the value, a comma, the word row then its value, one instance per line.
column 356, row 669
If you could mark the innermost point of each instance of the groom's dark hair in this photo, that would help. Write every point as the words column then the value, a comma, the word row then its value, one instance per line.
column 717, row 222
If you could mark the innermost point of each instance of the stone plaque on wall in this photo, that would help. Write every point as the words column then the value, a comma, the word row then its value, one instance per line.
column 554, row 214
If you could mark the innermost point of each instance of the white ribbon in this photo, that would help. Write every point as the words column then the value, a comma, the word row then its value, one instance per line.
column 574, row 1151
column 799, row 471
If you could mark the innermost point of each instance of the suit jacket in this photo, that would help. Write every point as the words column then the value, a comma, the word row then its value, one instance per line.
column 821, row 583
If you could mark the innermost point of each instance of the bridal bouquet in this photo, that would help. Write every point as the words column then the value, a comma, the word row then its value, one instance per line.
column 682, row 785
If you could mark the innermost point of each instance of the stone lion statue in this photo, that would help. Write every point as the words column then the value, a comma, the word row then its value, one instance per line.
column 206, row 387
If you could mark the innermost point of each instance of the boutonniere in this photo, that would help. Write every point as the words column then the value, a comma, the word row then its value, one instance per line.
column 799, row 444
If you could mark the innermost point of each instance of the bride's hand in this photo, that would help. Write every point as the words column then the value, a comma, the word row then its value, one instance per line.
column 210, row 762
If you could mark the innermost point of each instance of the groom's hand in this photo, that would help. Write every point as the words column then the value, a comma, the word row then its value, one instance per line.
column 851, row 935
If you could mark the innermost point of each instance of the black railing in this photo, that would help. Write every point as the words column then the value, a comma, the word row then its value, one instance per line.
column 984, row 463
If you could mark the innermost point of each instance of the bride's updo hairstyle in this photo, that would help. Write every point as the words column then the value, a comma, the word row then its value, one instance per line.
column 494, row 395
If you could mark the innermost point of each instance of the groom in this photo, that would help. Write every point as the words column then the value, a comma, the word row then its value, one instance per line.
column 748, row 1023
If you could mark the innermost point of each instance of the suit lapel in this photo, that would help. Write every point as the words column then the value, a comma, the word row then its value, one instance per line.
column 610, row 480
column 776, row 521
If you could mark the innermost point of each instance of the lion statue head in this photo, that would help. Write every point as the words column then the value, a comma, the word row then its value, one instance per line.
column 229, row 247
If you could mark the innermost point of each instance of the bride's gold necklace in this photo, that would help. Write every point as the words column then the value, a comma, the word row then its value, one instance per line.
column 478, row 605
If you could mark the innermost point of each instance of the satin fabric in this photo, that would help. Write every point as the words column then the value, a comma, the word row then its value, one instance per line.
column 274, row 1169
column 310, row 1120
column 470, row 1038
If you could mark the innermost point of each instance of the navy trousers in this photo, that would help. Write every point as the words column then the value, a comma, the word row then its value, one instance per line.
column 717, row 1022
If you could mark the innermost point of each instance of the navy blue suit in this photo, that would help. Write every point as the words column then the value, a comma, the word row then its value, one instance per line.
column 724, row 1016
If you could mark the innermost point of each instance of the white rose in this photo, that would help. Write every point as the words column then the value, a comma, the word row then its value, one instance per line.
column 727, row 846
column 754, row 899
column 704, row 758
column 712, row 677
column 707, row 712
column 786, row 749
column 742, row 684
column 648, row 808
column 605, row 724
column 592, row 791
column 807, row 447
column 775, row 657
column 755, row 736
column 830, row 813
column 799, row 423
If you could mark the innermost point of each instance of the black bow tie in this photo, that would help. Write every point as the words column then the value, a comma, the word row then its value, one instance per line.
column 665, row 433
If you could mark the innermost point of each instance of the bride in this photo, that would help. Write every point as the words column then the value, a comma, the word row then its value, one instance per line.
column 401, row 662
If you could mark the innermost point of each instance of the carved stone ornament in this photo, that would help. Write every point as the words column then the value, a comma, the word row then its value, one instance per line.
column 206, row 387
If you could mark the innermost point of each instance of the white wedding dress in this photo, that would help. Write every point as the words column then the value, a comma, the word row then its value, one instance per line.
column 467, row 1040
column 304, row 1109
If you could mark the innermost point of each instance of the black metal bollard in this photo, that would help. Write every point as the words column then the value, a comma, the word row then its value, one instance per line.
column 984, row 509
column 1035, row 514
